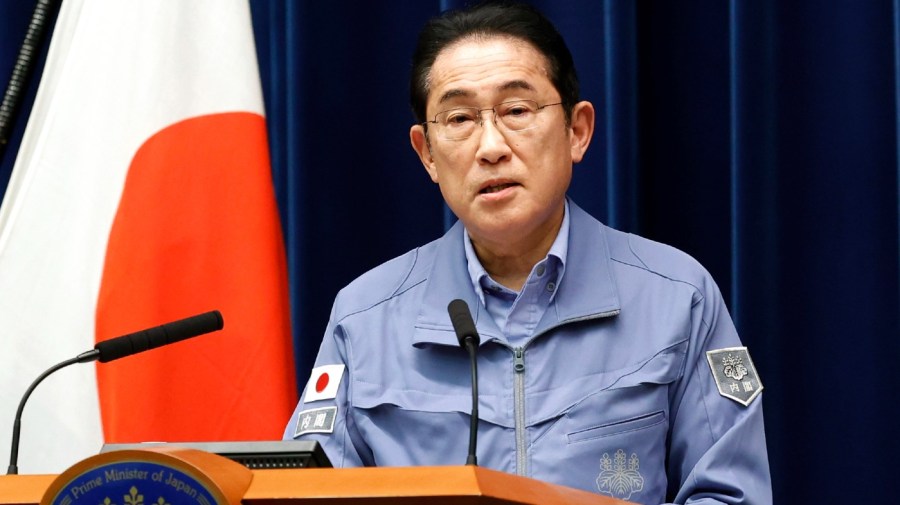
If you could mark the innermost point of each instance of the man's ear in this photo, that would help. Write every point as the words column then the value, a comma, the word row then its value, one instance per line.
column 419, row 140
column 581, row 129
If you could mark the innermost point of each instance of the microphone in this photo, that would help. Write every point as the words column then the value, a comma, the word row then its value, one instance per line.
column 120, row 347
column 165, row 334
column 461, row 318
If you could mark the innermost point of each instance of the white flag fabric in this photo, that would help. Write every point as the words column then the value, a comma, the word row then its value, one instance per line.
column 142, row 194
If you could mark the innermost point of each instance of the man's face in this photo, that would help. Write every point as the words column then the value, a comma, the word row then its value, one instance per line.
column 507, row 187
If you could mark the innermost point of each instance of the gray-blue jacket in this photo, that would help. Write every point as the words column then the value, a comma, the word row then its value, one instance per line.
column 621, row 390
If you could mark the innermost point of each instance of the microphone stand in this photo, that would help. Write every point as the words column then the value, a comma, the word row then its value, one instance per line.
column 120, row 347
column 471, row 459
column 467, row 334
column 17, row 424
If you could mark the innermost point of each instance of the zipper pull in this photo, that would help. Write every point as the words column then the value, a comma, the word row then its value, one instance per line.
column 519, row 363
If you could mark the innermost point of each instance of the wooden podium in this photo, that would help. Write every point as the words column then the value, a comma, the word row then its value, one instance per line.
column 234, row 484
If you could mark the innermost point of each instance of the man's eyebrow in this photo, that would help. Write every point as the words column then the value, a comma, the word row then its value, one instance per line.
column 453, row 93
column 517, row 84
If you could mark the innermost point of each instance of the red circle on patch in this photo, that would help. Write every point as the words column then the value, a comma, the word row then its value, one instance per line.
column 322, row 383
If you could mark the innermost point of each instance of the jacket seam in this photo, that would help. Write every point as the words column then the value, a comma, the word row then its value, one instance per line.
column 699, row 372
column 395, row 293
column 659, row 274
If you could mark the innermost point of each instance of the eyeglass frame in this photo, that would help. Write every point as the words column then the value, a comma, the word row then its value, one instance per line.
column 492, row 109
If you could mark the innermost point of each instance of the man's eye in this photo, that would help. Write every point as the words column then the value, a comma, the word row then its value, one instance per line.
column 458, row 118
column 517, row 110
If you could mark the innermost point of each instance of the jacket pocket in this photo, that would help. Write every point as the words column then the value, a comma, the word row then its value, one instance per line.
column 617, row 426
column 404, row 427
column 614, row 428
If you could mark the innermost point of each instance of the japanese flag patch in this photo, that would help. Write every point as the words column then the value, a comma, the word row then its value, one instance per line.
column 323, row 382
column 316, row 421
column 735, row 374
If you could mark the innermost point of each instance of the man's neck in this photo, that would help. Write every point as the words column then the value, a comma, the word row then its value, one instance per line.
column 510, row 263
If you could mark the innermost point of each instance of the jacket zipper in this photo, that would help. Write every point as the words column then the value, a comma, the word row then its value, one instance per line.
column 519, row 402
column 519, row 389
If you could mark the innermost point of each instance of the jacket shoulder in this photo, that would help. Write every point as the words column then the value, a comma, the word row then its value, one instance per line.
column 634, row 251
column 385, row 281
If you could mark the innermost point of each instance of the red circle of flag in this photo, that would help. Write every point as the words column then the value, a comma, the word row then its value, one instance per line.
column 322, row 383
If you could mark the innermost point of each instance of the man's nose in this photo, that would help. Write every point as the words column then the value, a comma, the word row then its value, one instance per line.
column 492, row 145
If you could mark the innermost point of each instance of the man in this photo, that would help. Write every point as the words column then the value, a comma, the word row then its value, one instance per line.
column 607, row 362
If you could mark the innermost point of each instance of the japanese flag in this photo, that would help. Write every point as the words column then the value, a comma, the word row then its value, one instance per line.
column 323, row 383
column 142, row 194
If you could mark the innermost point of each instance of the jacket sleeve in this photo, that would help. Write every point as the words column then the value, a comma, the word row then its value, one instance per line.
column 717, row 444
column 338, row 436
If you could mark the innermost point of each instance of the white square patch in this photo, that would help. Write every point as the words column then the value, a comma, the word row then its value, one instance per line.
column 316, row 421
column 323, row 383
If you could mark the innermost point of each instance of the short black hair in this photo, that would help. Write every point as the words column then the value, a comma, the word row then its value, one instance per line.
column 487, row 19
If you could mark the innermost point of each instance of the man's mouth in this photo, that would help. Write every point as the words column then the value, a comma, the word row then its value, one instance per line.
column 496, row 187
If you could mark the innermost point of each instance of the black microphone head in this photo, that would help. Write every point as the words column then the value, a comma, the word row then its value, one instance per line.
column 461, row 319
column 192, row 326
column 165, row 334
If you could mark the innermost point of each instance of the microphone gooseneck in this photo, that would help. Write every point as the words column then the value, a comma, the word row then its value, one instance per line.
column 116, row 348
column 464, row 326
column 17, row 424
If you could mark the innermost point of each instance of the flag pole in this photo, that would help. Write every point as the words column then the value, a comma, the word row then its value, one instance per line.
column 25, row 62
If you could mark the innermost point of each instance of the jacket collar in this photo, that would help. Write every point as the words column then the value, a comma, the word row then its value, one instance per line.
column 587, row 291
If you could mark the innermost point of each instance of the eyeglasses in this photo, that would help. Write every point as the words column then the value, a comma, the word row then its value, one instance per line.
column 514, row 116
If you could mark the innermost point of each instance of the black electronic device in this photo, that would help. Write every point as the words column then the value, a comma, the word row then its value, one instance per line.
column 254, row 455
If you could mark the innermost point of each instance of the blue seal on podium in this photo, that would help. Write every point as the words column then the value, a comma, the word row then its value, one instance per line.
column 181, row 477
column 133, row 483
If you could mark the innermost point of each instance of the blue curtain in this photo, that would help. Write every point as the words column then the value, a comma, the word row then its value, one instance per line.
column 760, row 136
